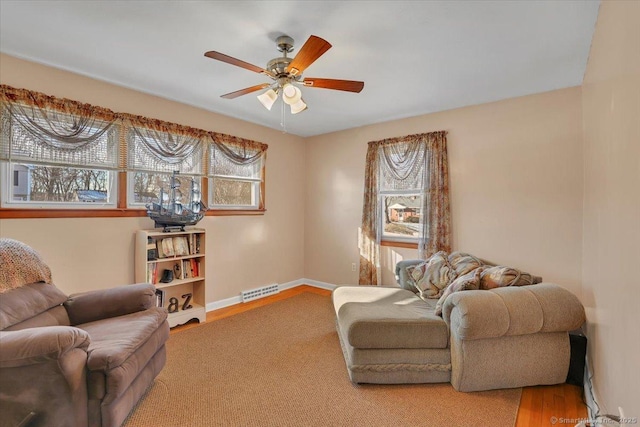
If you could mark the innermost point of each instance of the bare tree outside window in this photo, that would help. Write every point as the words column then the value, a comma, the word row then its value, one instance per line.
column 233, row 192
column 60, row 184
column 402, row 215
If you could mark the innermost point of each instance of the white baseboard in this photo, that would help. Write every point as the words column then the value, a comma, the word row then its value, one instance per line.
column 216, row 305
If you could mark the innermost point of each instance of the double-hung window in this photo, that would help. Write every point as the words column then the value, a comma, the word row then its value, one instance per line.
column 57, row 159
column 236, row 177
column 401, row 192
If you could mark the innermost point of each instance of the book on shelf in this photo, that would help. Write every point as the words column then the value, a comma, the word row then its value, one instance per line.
column 165, row 247
column 186, row 269
column 152, row 273
column 159, row 297
column 180, row 246
column 192, row 244
column 195, row 268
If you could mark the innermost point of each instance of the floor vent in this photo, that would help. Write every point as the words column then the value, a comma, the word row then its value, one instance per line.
column 260, row 292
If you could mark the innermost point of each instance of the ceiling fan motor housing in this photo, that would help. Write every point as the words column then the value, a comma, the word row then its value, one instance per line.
column 278, row 66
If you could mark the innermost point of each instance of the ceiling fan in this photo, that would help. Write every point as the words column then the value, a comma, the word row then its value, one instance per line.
column 286, row 74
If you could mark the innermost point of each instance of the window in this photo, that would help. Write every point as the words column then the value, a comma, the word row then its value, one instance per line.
column 402, row 177
column 57, row 160
column 406, row 199
column 51, row 185
column 236, row 177
column 154, row 155
column 57, row 154
column 401, row 216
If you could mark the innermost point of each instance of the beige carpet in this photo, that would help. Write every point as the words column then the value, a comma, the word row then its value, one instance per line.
column 281, row 365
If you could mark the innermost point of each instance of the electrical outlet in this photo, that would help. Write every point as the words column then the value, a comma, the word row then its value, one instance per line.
column 353, row 266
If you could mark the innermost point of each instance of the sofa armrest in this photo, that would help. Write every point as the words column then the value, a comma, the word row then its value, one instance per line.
column 43, row 372
column 106, row 303
column 402, row 277
column 509, row 311
column 36, row 345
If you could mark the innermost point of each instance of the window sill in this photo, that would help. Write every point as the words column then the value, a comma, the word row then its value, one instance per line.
column 406, row 245
column 11, row 213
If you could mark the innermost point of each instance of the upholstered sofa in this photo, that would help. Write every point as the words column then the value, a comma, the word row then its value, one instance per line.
column 505, row 337
column 82, row 360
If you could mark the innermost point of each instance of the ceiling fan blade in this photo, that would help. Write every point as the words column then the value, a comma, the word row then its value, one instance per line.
column 237, row 62
column 346, row 85
column 245, row 91
column 312, row 49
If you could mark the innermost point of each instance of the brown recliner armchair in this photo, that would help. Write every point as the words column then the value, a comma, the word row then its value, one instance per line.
column 82, row 360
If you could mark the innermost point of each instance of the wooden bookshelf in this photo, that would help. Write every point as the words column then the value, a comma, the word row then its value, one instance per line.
column 174, row 262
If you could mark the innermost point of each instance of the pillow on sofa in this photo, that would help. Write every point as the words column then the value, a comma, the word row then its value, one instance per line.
column 433, row 276
column 466, row 282
column 462, row 263
column 500, row 276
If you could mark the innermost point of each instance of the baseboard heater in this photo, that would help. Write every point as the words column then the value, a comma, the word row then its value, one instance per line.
column 252, row 294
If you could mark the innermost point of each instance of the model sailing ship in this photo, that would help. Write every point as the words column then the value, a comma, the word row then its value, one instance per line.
column 173, row 215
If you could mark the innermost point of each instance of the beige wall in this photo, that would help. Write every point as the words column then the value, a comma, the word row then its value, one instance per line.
column 243, row 252
column 516, row 188
column 611, row 290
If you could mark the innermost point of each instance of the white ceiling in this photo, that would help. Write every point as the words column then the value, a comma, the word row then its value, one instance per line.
column 415, row 57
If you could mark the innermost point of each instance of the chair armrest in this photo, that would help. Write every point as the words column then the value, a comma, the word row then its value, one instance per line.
column 513, row 310
column 402, row 276
column 43, row 372
column 106, row 303
column 38, row 345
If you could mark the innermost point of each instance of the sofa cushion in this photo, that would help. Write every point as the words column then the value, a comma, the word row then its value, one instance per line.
column 113, row 340
column 379, row 317
column 512, row 311
column 29, row 301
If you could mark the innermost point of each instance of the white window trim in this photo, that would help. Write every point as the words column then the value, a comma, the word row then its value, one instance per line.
column 6, row 190
column 255, row 193
column 388, row 238
column 130, row 187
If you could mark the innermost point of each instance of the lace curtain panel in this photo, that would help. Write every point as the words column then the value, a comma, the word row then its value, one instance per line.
column 414, row 162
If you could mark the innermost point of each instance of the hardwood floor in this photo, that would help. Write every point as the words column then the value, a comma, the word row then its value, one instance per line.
column 539, row 406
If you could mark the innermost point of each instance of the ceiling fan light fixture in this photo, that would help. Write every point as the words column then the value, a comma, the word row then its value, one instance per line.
column 291, row 94
column 298, row 107
column 268, row 98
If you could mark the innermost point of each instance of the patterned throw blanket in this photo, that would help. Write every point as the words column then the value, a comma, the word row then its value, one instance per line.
column 20, row 265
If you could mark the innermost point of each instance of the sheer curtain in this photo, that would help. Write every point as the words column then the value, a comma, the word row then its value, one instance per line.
column 156, row 147
column 233, row 158
column 401, row 164
column 45, row 130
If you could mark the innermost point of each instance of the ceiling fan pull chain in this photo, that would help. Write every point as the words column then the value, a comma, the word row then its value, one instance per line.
column 282, row 117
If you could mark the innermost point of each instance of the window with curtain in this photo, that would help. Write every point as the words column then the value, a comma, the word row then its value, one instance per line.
column 153, row 156
column 57, row 156
column 236, row 176
column 406, row 199
column 401, row 195
column 59, row 153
